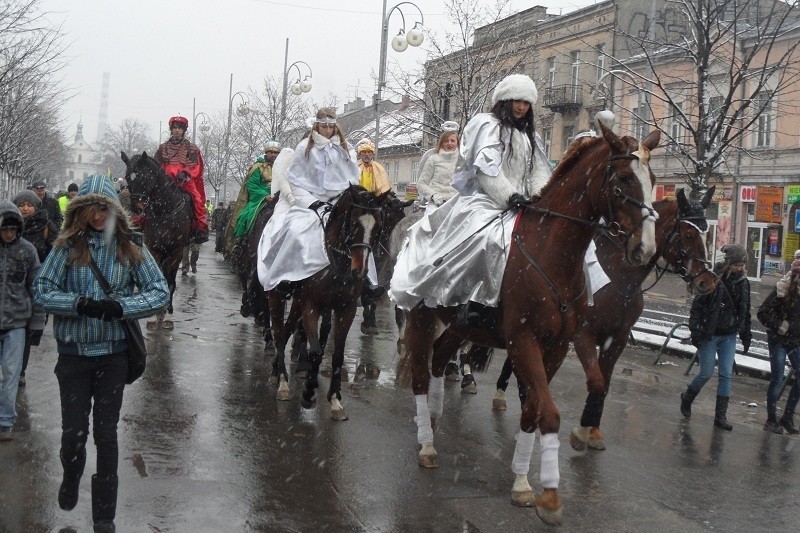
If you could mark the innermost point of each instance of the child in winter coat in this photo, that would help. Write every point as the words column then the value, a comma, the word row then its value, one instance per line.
column 19, row 265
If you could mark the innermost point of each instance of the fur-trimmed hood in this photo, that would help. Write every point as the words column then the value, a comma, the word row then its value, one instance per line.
column 97, row 189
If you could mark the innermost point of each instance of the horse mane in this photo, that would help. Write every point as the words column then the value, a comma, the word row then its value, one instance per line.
column 576, row 154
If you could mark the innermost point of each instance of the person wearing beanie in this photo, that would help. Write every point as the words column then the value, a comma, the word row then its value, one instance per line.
column 322, row 167
column 780, row 315
column 63, row 202
column 714, row 321
column 500, row 168
column 18, row 315
column 41, row 232
column 92, row 362
column 373, row 175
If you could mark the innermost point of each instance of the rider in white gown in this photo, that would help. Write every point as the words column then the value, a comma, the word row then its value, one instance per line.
column 323, row 166
column 446, row 261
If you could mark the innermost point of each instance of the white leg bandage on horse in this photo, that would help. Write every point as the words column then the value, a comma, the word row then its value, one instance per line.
column 436, row 397
column 423, row 419
column 549, row 475
column 522, row 453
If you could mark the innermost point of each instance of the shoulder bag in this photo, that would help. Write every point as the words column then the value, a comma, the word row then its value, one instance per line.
column 137, row 350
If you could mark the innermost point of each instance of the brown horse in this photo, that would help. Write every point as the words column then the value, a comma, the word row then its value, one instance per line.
column 254, row 298
column 542, row 296
column 354, row 226
column 169, row 213
column 681, row 243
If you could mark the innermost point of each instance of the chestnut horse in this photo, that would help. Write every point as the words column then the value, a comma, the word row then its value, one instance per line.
column 353, row 228
column 543, row 296
column 169, row 212
column 680, row 234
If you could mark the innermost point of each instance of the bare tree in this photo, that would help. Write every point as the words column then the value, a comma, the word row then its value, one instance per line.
column 463, row 65
column 714, row 68
column 131, row 136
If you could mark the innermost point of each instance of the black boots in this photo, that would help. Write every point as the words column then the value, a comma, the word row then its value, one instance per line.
column 772, row 424
column 686, row 401
column 104, row 503
column 720, row 420
column 787, row 421
column 70, row 484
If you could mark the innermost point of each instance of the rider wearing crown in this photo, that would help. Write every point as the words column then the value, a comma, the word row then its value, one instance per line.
column 183, row 162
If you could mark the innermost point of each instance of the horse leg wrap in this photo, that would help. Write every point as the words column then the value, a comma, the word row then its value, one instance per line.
column 436, row 396
column 593, row 410
column 549, row 475
column 521, row 462
column 423, row 419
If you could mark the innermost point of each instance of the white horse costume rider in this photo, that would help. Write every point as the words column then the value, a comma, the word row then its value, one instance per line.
column 294, row 249
column 444, row 262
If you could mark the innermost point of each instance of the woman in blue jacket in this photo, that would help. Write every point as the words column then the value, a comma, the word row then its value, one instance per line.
column 92, row 358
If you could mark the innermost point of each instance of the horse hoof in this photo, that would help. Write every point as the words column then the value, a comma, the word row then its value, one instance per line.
column 306, row 402
column 469, row 386
column 499, row 404
column 451, row 372
column 338, row 415
column 284, row 395
column 548, row 508
column 369, row 330
column 152, row 326
column 168, row 324
column 429, row 461
column 523, row 498
column 578, row 439
column 301, row 374
column 596, row 441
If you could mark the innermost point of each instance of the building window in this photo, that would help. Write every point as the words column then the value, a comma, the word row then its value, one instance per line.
column 640, row 116
column 547, row 140
column 569, row 136
column 551, row 72
column 414, row 171
column 80, row 158
column 676, row 129
column 575, row 75
column 396, row 171
column 71, row 175
column 601, row 63
column 765, row 123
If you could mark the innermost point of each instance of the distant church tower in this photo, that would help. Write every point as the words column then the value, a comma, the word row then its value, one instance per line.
column 102, row 122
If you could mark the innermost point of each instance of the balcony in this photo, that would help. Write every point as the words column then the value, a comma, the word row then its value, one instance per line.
column 563, row 98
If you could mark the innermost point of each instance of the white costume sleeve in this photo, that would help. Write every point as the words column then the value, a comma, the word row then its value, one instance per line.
column 497, row 187
column 424, row 180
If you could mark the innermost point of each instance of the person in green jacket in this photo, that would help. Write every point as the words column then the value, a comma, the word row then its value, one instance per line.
column 257, row 190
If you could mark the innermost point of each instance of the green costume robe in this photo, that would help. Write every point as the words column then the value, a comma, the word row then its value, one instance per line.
column 259, row 179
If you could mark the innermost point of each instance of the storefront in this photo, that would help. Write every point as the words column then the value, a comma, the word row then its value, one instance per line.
column 761, row 211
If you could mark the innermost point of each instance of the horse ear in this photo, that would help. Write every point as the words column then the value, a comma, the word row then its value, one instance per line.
column 144, row 155
column 683, row 202
column 611, row 138
column 706, row 201
column 651, row 141
column 124, row 157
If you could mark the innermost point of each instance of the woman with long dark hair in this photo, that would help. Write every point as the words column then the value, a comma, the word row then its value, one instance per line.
column 92, row 351
column 457, row 254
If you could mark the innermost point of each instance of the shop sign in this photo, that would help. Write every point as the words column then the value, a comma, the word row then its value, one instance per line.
column 769, row 204
column 747, row 193
column 791, row 242
column 792, row 194
column 774, row 267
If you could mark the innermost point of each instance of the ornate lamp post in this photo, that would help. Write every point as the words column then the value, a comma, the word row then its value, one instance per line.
column 300, row 86
column 400, row 43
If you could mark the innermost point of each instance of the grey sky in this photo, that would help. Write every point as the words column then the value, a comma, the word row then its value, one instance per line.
column 163, row 53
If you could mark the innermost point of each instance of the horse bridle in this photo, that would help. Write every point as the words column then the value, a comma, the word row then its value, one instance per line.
column 683, row 271
column 349, row 244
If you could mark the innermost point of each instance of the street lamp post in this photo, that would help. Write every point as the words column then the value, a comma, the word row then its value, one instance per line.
column 400, row 42
column 302, row 85
column 601, row 89
column 241, row 110
column 204, row 126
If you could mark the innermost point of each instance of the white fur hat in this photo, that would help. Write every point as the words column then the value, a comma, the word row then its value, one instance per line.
column 516, row 87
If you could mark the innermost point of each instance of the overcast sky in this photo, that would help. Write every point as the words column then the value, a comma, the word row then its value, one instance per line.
column 163, row 53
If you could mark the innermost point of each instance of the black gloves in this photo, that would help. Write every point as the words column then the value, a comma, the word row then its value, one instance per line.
column 183, row 176
column 34, row 336
column 316, row 205
column 746, row 344
column 105, row 309
column 517, row 200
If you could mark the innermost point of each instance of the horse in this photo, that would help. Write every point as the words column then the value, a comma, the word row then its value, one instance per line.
column 681, row 243
column 352, row 230
column 542, row 296
column 169, row 212
column 254, row 297
column 394, row 213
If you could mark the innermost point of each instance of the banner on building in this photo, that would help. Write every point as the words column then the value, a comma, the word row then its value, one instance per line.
column 791, row 242
column 792, row 194
column 769, row 204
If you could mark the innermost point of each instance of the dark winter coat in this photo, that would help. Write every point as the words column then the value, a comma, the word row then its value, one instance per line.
column 40, row 232
column 773, row 311
column 50, row 205
column 731, row 298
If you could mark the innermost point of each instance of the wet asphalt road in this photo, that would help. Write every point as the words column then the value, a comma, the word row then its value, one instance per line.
column 205, row 445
